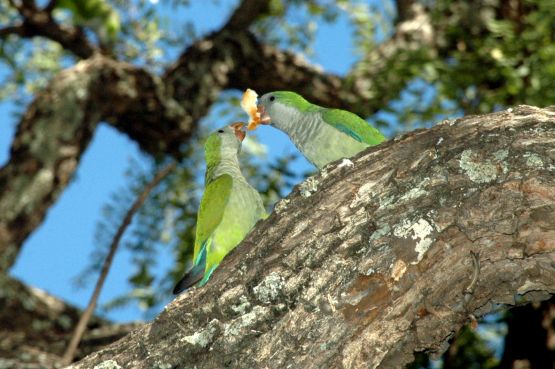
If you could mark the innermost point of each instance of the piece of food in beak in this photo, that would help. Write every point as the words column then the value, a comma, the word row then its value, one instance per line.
column 264, row 117
column 248, row 104
column 238, row 129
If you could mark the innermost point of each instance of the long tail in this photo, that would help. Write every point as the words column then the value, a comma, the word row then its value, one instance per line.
column 189, row 279
column 195, row 274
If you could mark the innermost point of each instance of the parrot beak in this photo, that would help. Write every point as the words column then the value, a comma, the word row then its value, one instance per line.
column 264, row 117
column 238, row 130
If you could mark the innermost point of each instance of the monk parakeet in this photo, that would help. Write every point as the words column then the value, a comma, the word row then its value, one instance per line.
column 322, row 135
column 229, row 207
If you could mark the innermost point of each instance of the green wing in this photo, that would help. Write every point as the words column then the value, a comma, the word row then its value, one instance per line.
column 353, row 125
column 212, row 206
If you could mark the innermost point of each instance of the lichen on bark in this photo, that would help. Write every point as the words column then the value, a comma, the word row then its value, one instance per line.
column 337, row 279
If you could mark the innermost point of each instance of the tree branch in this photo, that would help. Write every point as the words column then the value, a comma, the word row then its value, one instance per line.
column 81, row 326
column 39, row 22
column 50, row 6
column 69, row 109
column 246, row 13
column 364, row 264
column 12, row 30
column 404, row 10
column 36, row 327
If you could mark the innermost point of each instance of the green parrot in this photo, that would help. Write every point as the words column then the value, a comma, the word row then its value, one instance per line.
column 322, row 135
column 229, row 207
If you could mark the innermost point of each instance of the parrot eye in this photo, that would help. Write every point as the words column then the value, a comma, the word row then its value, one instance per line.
column 220, row 131
column 272, row 98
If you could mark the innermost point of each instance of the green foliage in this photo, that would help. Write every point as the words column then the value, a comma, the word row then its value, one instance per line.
column 145, row 37
column 97, row 14
column 498, row 61
column 31, row 66
column 293, row 23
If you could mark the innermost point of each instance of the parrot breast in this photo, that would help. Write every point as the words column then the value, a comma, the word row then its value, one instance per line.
column 320, row 142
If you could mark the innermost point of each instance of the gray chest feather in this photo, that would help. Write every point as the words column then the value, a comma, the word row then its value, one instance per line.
column 320, row 142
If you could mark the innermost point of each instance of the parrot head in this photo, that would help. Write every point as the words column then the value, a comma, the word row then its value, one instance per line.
column 224, row 141
column 281, row 108
column 238, row 130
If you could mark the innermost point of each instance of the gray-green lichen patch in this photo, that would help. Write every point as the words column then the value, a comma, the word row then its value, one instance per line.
column 380, row 232
column 421, row 231
column 108, row 364
column 308, row 187
column 269, row 289
column 533, row 160
column 386, row 202
column 234, row 300
column 501, row 154
column 29, row 190
column 242, row 306
column 477, row 169
column 204, row 337
column 415, row 192
column 237, row 326
column 281, row 205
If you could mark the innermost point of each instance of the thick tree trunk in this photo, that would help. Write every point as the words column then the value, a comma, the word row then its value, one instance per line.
column 364, row 264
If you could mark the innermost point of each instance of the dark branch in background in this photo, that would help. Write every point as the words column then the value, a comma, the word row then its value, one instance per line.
column 87, row 314
column 12, row 30
column 41, row 165
column 245, row 14
column 28, row 4
column 52, row 319
column 404, row 10
column 39, row 22
column 50, row 6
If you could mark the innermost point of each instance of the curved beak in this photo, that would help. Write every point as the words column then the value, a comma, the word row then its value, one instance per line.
column 264, row 116
column 238, row 130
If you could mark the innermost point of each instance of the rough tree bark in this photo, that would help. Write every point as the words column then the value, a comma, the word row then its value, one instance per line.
column 364, row 264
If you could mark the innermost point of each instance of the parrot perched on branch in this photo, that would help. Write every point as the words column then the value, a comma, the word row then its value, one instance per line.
column 229, row 207
column 322, row 135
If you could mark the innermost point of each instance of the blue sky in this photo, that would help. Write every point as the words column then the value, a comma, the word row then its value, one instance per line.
column 59, row 249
